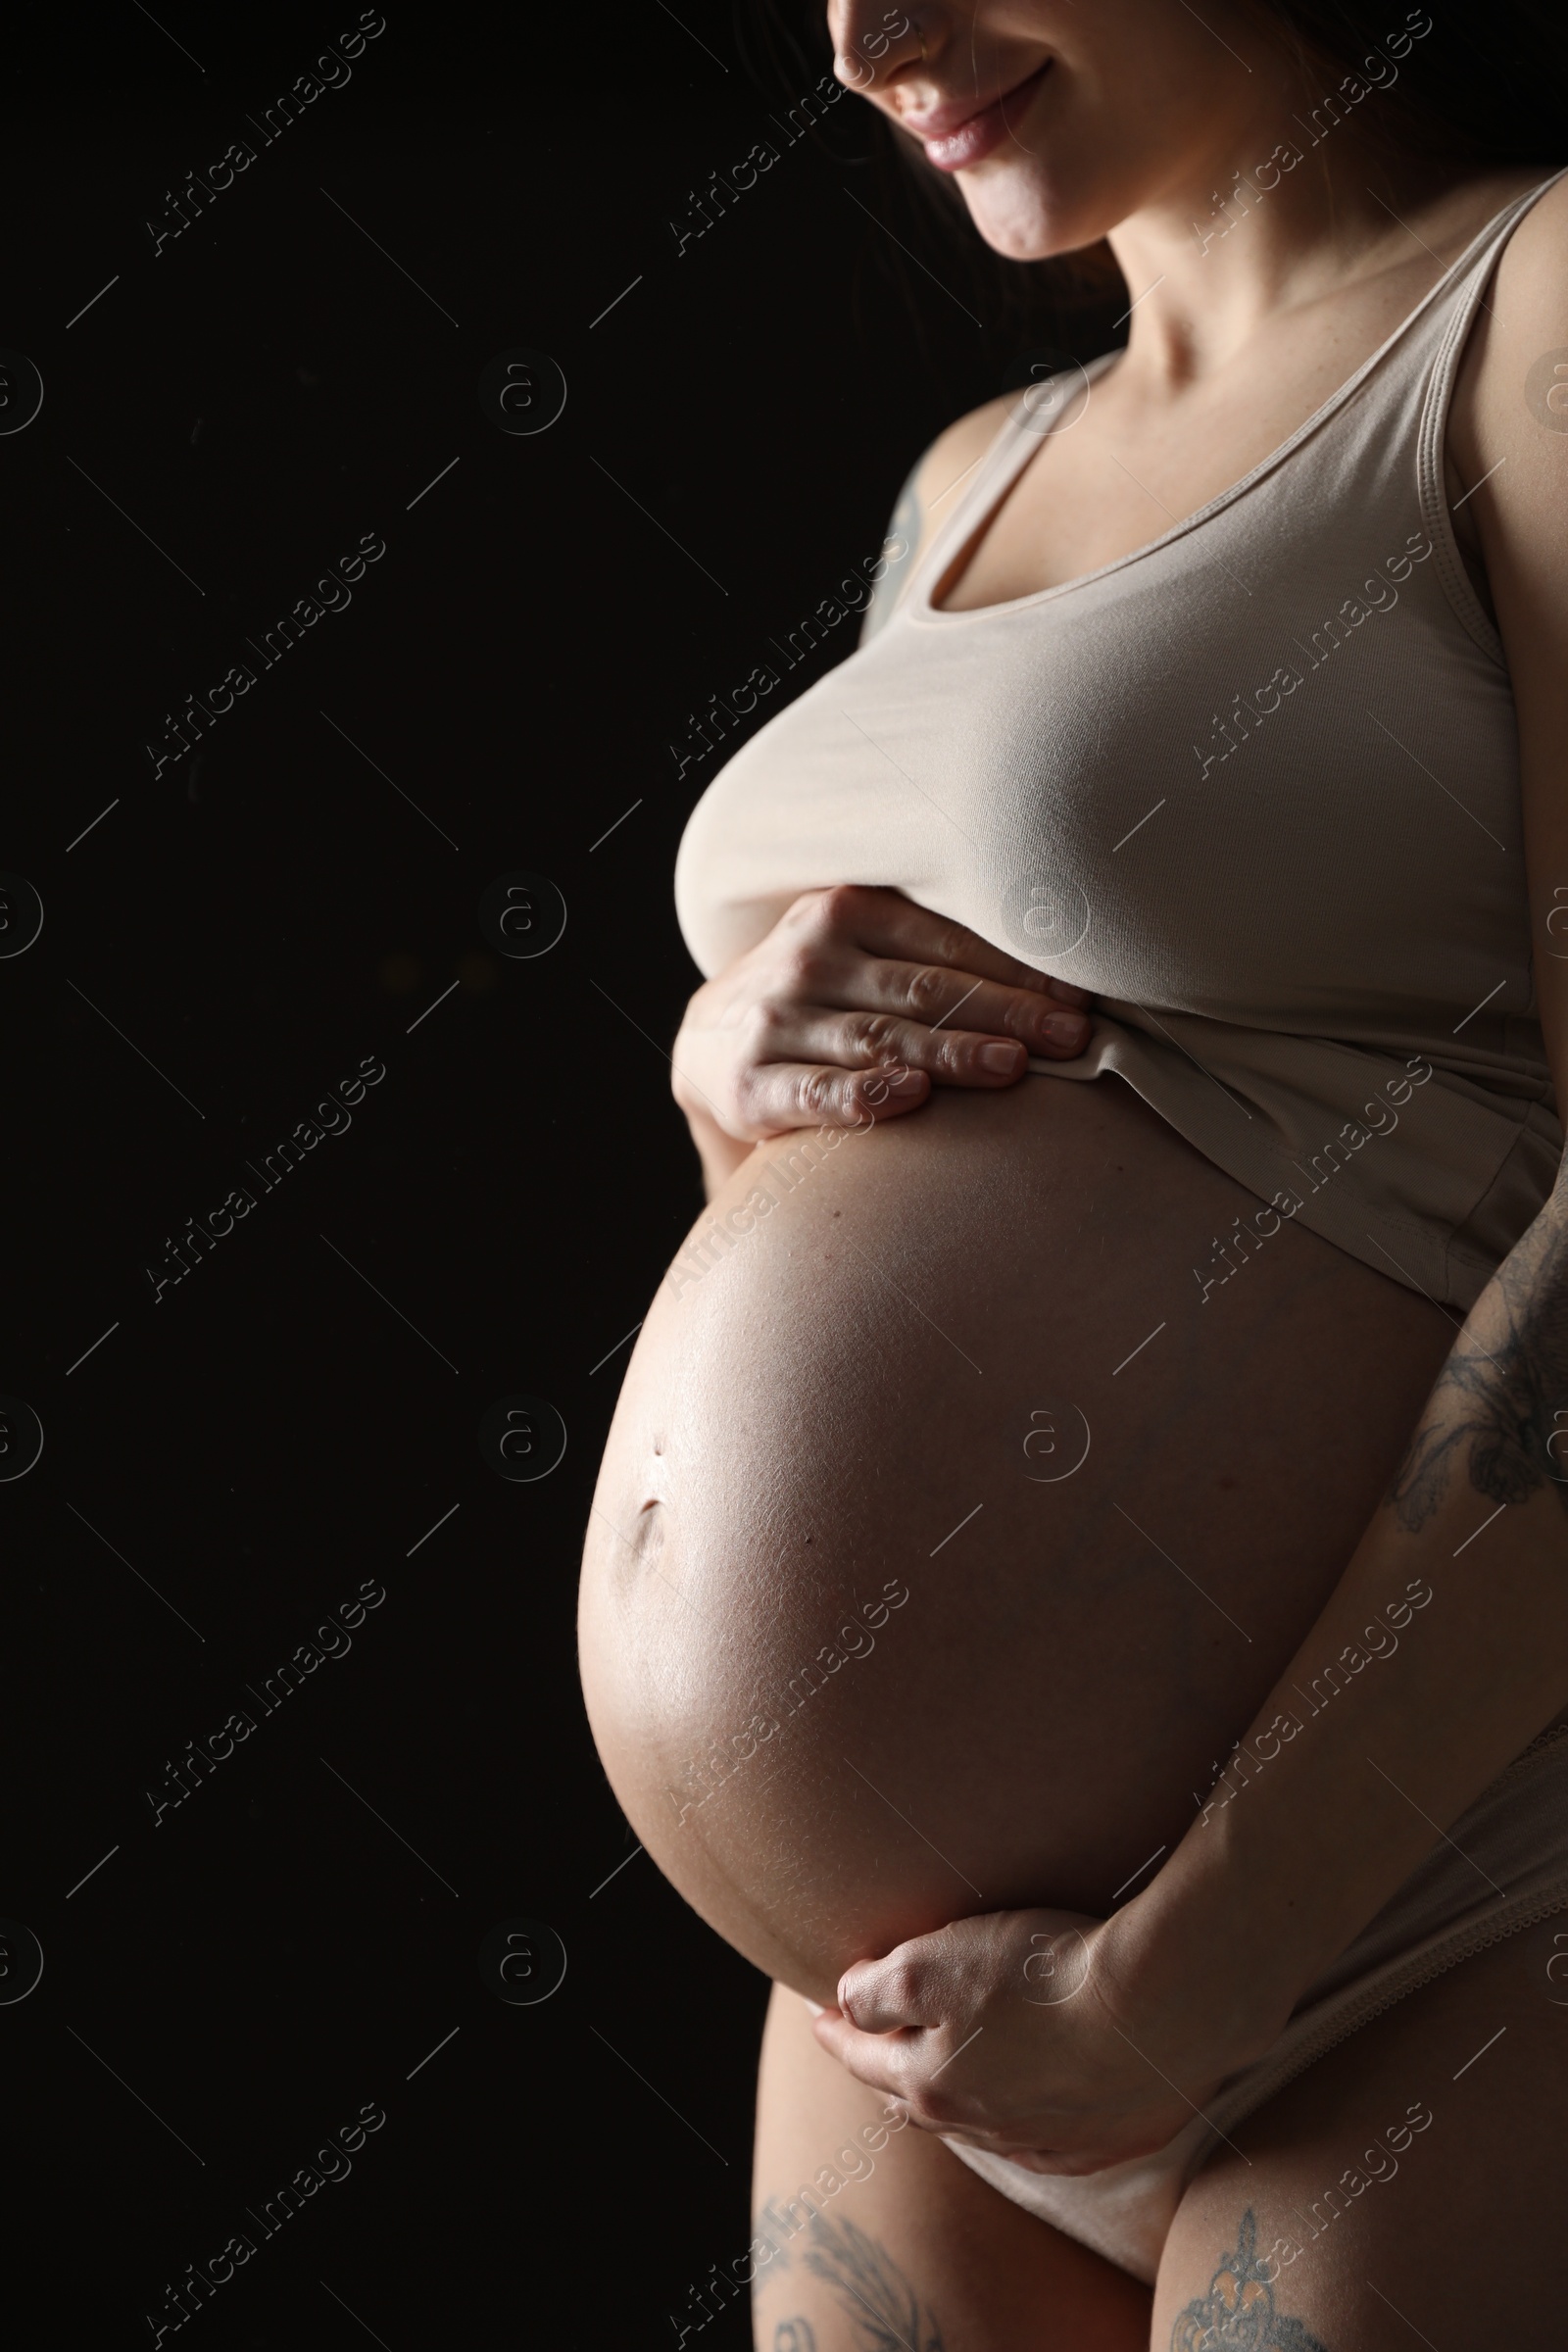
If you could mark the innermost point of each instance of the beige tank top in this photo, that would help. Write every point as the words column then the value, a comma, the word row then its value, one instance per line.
column 1255, row 785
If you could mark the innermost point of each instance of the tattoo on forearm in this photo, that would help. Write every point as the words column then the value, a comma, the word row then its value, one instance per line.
column 1501, row 1404
column 875, row 2293
column 1238, row 2314
column 897, row 556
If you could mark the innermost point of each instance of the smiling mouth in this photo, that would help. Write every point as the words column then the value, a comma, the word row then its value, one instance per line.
column 956, row 150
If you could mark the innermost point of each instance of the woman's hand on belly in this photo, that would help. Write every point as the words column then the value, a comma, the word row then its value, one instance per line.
column 1021, row 2032
column 849, row 1008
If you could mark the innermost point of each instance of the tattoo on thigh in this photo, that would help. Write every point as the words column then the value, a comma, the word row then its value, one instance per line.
column 875, row 2294
column 1502, row 1411
column 1238, row 2314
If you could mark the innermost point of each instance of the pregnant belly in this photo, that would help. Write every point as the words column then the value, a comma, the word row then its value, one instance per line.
column 948, row 1533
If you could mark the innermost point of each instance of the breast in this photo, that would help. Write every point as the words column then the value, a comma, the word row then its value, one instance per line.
column 1166, row 788
column 948, row 1530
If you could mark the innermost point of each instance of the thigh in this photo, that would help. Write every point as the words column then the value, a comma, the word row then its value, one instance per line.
column 866, row 2239
column 1407, row 2189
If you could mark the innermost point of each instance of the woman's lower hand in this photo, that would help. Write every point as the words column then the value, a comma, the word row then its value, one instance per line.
column 1024, row 2033
column 853, row 1002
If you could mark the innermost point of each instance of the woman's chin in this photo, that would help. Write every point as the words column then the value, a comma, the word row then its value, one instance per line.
column 1017, row 219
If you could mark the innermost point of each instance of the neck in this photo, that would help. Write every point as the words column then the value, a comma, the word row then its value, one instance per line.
column 1296, row 198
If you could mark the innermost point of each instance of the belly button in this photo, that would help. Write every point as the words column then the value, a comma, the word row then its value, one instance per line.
column 645, row 1540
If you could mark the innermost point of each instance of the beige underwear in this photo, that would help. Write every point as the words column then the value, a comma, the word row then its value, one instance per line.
column 1515, row 1833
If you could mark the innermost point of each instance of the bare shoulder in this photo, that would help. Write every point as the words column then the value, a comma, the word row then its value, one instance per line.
column 1521, row 334
column 926, row 501
column 1510, row 437
column 1532, row 258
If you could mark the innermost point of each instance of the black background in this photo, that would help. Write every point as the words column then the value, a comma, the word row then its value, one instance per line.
column 228, row 943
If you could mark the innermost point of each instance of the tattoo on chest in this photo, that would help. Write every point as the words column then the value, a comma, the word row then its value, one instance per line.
column 1501, row 1405
column 1237, row 2313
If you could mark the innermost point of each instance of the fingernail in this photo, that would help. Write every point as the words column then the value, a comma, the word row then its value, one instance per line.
column 818, row 2008
column 908, row 1082
column 1066, row 1028
column 1002, row 1059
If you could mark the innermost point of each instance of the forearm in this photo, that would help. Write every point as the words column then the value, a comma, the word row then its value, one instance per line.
column 1441, row 1653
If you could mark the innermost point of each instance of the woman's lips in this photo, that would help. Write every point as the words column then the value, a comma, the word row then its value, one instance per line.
column 968, row 142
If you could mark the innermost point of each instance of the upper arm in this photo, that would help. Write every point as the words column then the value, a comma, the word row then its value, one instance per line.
column 1509, row 424
column 926, row 501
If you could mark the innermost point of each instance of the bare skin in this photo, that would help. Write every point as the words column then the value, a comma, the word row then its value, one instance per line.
column 967, row 2267
column 752, row 1498
column 798, row 1439
column 1339, row 2183
column 1078, row 505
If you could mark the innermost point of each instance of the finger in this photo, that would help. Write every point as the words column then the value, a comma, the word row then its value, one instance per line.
column 1041, row 2160
column 776, row 1097
column 886, row 924
column 936, row 996
column 871, row 2058
column 905, row 2067
column 949, row 1057
column 900, row 1992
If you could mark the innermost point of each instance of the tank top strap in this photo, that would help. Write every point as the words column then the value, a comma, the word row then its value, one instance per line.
column 1428, row 332
column 1037, row 413
column 1470, row 272
column 1442, row 350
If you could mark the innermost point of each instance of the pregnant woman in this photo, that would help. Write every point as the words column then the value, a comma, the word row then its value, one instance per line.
column 1077, row 1589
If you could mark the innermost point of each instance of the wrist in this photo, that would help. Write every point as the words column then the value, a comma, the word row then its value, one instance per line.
column 1192, row 1948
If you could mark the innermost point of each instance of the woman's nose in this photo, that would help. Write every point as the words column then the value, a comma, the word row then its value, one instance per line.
column 874, row 43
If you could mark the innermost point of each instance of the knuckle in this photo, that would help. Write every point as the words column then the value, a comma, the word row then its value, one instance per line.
column 941, row 2108
column 746, row 1098
column 899, row 1985
column 927, row 986
column 842, row 907
column 872, row 1033
column 762, row 1030
column 802, row 911
column 815, row 1094
column 954, row 944
column 799, row 970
